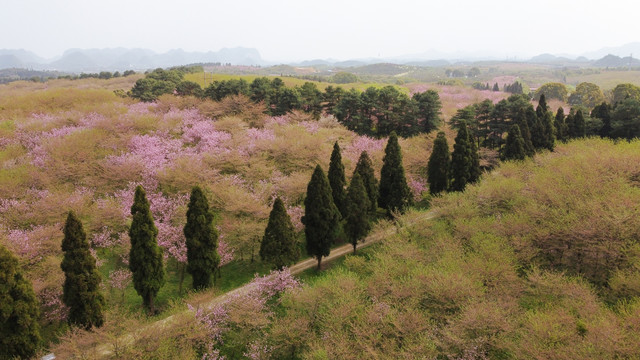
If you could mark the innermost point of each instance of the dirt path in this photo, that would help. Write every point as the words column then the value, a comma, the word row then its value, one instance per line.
column 125, row 340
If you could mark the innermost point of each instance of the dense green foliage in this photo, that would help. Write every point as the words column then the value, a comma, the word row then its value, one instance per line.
column 586, row 94
column 19, row 312
column 429, row 106
column 395, row 194
column 553, row 91
column 625, row 91
column 81, row 290
column 560, row 125
column 321, row 216
column 145, row 256
column 279, row 245
column 576, row 127
column 514, row 147
column 201, row 240
column 357, row 217
column 337, row 180
column 439, row 165
column 465, row 167
column 368, row 177
column 381, row 111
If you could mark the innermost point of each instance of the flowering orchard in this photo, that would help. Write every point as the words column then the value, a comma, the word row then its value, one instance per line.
column 86, row 150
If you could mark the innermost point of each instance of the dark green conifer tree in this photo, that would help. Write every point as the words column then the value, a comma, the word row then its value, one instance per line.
column 201, row 240
column 439, row 165
column 542, row 108
column 549, row 131
column 580, row 125
column 538, row 138
column 145, row 256
column 279, row 246
column 461, row 159
column 475, row 161
column 525, row 133
column 496, row 87
column 603, row 112
column 394, row 193
column 560, row 125
column 19, row 311
column 337, row 179
column 570, row 124
column 514, row 148
column 364, row 167
column 358, row 222
column 321, row 216
column 81, row 290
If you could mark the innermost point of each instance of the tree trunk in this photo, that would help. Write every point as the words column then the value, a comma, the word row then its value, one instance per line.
column 354, row 248
column 152, row 308
column 319, row 262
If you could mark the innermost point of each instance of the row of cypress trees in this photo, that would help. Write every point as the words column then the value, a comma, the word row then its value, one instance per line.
column 330, row 205
column 329, row 200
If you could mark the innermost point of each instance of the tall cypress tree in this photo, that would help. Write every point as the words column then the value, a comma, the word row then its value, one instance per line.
column 145, row 256
column 358, row 205
column 337, row 179
column 461, row 160
column 439, row 165
column 542, row 106
column 321, row 216
column 279, row 245
column 537, row 135
column 201, row 240
column 19, row 311
column 394, row 193
column 579, row 127
column 475, row 160
column 525, row 133
column 570, row 124
column 365, row 169
column 514, row 147
column 560, row 125
column 603, row 112
column 549, row 131
column 81, row 291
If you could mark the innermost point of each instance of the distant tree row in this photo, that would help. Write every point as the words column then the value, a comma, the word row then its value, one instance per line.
column 515, row 88
column 375, row 112
column 488, row 122
column 458, row 73
column 378, row 112
column 539, row 129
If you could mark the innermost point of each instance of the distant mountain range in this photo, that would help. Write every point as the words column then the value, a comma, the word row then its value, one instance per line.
column 96, row 60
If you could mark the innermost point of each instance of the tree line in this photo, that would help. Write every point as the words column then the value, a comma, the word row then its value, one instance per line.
column 515, row 88
column 331, row 206
column 374, row 112
column 540, row 128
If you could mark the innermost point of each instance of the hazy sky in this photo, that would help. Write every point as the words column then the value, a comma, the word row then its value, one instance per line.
column 295, row 30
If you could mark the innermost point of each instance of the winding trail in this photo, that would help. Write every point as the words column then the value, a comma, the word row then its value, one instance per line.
column 106, row 350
